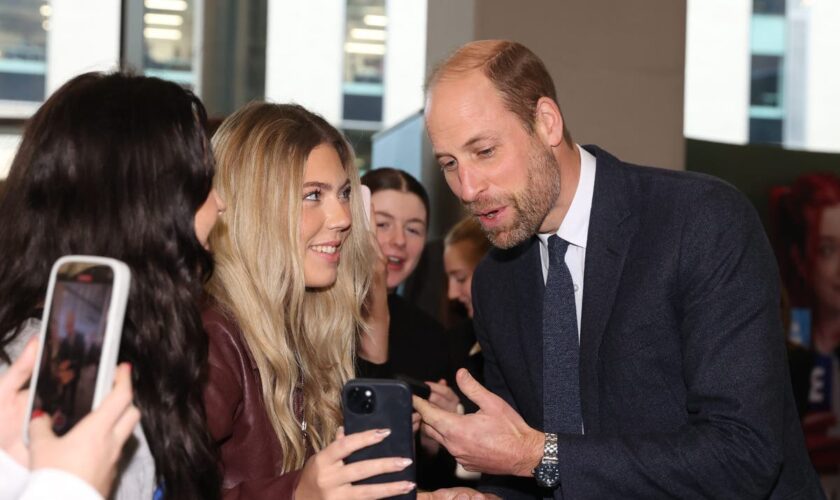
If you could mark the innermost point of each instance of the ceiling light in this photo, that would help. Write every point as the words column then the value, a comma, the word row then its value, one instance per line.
column 163, row 19
column 363, row 34
column 161, row 34
column 45, row 10
column 373, row 20
column 177, row 5
column 376, row 49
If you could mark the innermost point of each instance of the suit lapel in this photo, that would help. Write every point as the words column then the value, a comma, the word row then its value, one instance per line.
column 530, row 288
column 611, row 228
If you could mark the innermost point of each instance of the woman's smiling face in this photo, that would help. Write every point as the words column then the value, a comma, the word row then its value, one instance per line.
column 325, row 216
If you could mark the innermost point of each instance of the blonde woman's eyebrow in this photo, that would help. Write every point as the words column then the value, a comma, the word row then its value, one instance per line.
column 317, row 184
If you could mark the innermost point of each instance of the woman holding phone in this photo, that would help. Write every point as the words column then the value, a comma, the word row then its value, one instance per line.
column 289, row 301
column 80, row 465
column 120, row 166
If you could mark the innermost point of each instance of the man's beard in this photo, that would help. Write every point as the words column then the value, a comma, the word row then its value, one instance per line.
column 530, row 206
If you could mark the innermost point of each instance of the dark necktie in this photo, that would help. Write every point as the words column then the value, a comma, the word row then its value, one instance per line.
column 561, row 348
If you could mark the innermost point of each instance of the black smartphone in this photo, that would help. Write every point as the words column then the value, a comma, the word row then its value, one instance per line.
column 381, row 404
column 418, row 387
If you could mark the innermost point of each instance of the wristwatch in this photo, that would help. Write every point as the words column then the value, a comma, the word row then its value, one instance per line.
column 547, row 472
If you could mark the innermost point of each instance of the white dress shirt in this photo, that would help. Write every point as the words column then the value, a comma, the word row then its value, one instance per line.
column 574, row 229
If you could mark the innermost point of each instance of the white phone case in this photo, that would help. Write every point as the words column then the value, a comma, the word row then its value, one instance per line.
column 113, row 329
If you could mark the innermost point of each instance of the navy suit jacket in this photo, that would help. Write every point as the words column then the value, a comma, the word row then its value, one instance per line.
column 684, row 386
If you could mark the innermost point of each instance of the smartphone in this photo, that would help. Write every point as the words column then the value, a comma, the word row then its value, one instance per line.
column 80, row 339
column 418, row 387
column 381, row 404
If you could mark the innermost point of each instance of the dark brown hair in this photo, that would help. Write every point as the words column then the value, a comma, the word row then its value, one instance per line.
column 384, row 178
column 117, row 165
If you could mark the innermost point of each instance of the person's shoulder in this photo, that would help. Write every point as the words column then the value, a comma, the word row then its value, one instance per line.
column 499, row 262
column 217, row 320
column 223, row 331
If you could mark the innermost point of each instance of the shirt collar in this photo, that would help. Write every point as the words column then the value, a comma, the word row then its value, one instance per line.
column 575, row 225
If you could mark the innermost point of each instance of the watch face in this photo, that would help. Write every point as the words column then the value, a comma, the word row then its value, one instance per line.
column 547, row 474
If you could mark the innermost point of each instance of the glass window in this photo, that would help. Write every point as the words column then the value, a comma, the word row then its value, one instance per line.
column 769, row 7
column 364, row 53
column 167, row 39
column 766, row 130
column 160, row 37
column 23, row 49
column 766, row 78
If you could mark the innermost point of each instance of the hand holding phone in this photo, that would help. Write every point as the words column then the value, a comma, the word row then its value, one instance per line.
column 381, row 404
column 375, row 458
column 92, row 448
column 80, row 339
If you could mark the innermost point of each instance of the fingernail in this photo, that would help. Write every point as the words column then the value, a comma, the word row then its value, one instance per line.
column 36, row 414
column 409, row 486
column 383, row 432
column 404, row 462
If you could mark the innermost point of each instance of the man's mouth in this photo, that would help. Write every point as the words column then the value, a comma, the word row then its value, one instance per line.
column 488, row 215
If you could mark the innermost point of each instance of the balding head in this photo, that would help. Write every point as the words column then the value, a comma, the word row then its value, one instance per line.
column 517, row 74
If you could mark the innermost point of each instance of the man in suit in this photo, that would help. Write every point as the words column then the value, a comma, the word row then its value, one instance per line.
column 629, row 316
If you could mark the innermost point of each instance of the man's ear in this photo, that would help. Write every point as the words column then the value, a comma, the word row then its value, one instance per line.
column 548, row 122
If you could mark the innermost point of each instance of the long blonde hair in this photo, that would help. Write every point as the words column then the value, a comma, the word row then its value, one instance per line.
column 298, row 337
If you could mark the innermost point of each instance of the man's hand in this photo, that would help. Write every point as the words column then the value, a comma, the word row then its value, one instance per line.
column 495, row 440
column 456, row 494
column 443, row 396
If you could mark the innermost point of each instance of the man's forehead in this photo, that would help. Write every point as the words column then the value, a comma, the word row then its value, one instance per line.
column 457, row 112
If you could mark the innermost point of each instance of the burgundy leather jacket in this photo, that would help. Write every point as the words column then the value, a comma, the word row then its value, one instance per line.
column 251, row 456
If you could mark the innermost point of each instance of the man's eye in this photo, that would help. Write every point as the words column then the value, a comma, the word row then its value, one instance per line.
column 486, row 153
column 448, row 166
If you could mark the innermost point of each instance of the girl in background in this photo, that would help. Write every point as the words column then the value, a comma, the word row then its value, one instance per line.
column 417, row 343
column 808, row 246
column 464, row 247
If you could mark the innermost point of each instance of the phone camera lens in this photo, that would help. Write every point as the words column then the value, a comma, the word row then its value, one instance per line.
column 361, row 400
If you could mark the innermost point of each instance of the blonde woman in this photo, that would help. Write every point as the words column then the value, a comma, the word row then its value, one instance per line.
column 292, row 274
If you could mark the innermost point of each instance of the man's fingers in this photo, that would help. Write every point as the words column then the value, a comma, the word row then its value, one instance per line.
column 440, row 389
column 21, row 369
column 475, row 391
column 429, row 413
column 432, row 433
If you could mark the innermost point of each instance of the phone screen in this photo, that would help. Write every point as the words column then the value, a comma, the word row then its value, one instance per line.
column 73, row 343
